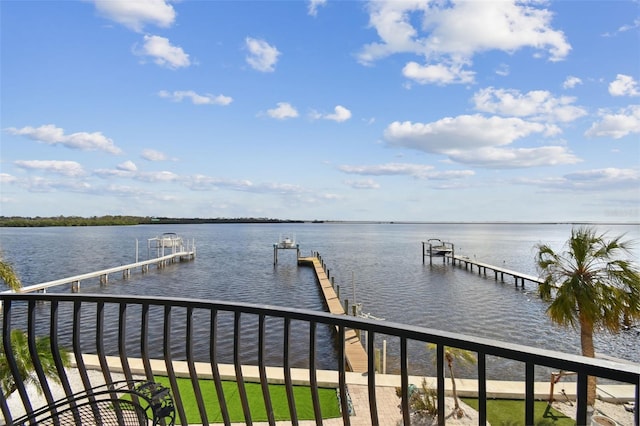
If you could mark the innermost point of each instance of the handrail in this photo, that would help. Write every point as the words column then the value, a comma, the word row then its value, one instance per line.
column 531, row 357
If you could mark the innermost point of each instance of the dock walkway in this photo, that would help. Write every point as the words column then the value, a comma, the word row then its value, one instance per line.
column 483, row 267
column 356, row 357
column 104, row 273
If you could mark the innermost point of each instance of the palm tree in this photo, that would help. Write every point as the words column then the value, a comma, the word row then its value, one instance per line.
column 451, row 355
column 9, row 276
column 590, row 284
column 20, row 346
column 26, row 370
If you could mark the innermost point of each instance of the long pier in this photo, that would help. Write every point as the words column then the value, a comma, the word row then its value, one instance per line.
column 446, row 250
column 103, row 274
column 178, row 253
column 356, row 357
column 497, row 271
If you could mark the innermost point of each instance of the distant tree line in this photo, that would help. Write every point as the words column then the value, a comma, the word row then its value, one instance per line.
column 17, row 221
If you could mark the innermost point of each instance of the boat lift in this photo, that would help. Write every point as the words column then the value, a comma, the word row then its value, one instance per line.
column 436, row 247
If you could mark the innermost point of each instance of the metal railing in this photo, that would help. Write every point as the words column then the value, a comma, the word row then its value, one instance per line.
column 194, row 332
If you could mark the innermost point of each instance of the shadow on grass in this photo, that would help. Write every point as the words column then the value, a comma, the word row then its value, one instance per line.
column 508, row 412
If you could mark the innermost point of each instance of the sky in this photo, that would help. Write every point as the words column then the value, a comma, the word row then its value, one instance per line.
column 522, row 110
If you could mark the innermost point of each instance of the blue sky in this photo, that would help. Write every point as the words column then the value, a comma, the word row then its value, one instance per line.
column 323, row 110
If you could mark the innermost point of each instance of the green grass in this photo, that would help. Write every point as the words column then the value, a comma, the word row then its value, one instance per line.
column 507, row 412
column 302, row 395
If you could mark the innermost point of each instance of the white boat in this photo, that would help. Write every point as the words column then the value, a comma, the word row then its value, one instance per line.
column 438, row 247
column 168, row 239
column 287, row 242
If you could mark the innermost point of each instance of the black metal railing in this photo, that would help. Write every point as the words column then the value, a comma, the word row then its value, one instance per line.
column 173, row 331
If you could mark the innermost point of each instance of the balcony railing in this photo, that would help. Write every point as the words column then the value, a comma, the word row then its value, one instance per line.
column 201, row 335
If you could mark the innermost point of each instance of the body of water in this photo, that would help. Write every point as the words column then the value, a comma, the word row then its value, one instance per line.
column 380, row 265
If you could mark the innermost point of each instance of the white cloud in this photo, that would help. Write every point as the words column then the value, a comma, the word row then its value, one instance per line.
column 283, row 111
column 437, row 73
column 7, row 178
column 478, row 140
column 539, row 105
column 591, row 180
column 419, row 171
column 340, row 114
column 503, row 158
column 128, row 166
column 624, row 28
column 503, row 70
column 262, row 56
column 136, row 14
column 603, row 178
column 161, row 176
column 52, row 135
column 571, row 81
column 314, row 5
column 196, row 99
column 163, row 53
column 362, row 184
column 616, row 125
column 624, row 85
column 153, row 155
column 462, row 132
column 65, row 168
column 451, row 33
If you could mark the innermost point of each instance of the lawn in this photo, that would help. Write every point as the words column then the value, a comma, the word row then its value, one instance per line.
column 508, row 412
column 302, row 395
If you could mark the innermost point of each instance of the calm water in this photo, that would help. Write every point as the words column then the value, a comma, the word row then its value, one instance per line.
column 381, row 264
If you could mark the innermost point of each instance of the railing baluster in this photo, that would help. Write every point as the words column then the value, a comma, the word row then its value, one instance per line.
column 104, row 365
column 404, row 381
column 33, row 351
column 287, row 373
column 482, row 389
column 313, row 376
column 122, row 341
column 636, row 411
column 80, row 365
column 440, row 381
column 168, row 362
column 342, row 377
column 57, row 357
column 371, row 378
column 144, row 341
column 238, row 366
column 6, row 343
column 264, row 382
column 214, row 367
column 581, row 397
column 529, row 397
column 77, row 346
column 193, row 374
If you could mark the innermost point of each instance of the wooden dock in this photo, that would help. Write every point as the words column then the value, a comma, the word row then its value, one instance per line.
column 497, row 271
column 103, row 275
column 356, row 356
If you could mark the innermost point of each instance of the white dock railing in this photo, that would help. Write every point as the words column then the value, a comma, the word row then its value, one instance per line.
column 104, row 273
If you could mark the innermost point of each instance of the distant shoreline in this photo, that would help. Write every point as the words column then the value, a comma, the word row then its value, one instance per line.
column 33, row 222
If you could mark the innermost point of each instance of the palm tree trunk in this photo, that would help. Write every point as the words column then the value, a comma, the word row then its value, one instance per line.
column 453, row 387
column 586, row 342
